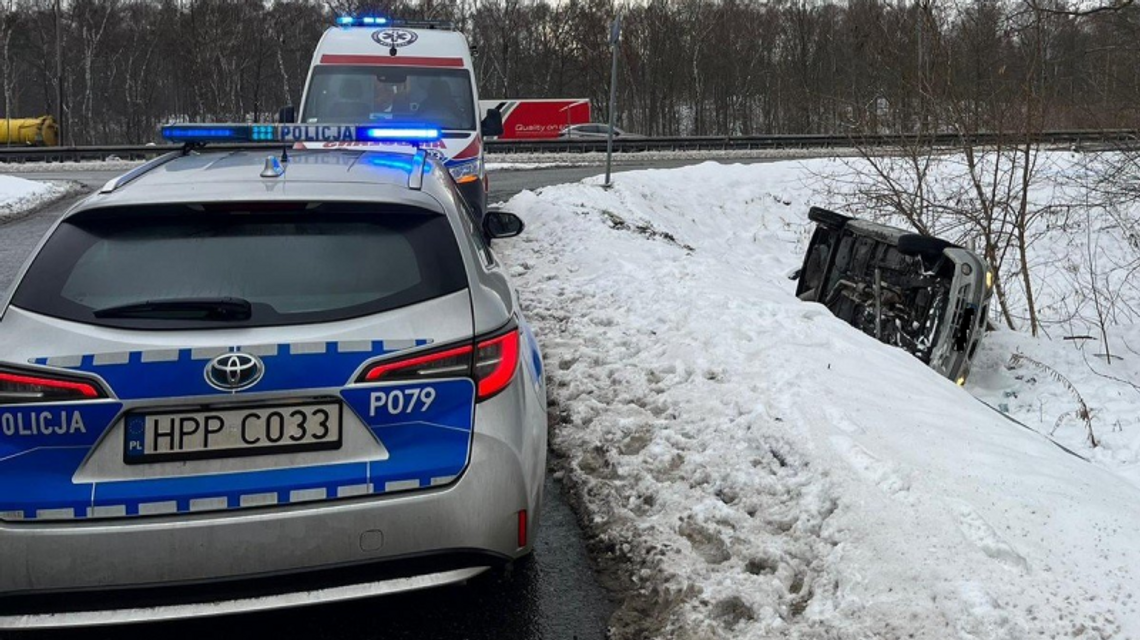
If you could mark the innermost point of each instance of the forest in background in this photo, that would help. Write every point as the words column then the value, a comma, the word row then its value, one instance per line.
column 686, row 67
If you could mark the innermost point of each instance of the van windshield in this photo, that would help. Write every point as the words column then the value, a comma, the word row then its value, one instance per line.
column 345, row 94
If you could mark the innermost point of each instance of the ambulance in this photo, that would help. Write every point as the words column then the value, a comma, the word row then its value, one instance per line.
column 401, row 73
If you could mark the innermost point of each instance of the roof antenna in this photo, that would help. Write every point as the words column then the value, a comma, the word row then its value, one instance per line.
column 285, row 153
column 273, row 168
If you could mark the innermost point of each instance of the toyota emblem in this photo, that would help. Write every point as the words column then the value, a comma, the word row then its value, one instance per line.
column 234, row 371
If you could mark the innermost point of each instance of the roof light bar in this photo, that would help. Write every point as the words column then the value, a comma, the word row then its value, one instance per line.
column 360, row 21
column 203, row 133
column 289, row 133
column 378, row 21
column 394, row 133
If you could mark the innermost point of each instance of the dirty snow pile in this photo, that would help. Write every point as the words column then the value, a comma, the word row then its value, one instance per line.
column 751, row 467
column 112, row 163
column 19, row 196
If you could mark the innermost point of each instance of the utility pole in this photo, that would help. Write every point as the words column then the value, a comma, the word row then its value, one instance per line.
column 59, row 71
column 615, row 39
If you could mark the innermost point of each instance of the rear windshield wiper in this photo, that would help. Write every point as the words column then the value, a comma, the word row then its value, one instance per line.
column 217, row 309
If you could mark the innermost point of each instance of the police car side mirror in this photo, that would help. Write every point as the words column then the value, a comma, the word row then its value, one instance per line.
column 287, row 115
column 502, row 224
column 492, row 124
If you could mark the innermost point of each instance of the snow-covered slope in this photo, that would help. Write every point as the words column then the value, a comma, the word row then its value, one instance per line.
column 1084, row 254
column 756, row 468
column 18, row 196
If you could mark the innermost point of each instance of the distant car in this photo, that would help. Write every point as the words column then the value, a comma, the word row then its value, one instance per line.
column 595, row 131
column 232, row 382
column 923, row 294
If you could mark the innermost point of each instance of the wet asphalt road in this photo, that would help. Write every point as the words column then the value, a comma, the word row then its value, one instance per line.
column 554, row 595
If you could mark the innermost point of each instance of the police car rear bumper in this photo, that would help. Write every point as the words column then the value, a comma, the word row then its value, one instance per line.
column 166, row 612
column 478, row 513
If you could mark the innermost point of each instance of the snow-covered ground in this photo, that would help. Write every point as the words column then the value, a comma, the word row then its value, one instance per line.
column 593, row 158
column 19, row 196
column 755, row 468
column 111, row 164
column 1084, row 234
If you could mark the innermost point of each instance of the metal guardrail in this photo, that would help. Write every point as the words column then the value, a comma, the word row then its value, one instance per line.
column 799, row 141
column 625, row 145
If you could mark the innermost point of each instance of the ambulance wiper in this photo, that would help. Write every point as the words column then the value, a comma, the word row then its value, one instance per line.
column 216, row 309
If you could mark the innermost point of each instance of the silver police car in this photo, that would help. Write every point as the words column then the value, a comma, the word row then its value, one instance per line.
column 292, row 379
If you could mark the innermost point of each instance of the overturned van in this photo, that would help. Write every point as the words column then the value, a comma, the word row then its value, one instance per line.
column 922, row 294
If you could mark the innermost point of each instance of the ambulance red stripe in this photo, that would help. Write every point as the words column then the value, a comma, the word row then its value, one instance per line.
column 398, row 61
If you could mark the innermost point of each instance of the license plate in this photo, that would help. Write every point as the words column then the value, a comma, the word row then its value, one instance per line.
column 168, row 436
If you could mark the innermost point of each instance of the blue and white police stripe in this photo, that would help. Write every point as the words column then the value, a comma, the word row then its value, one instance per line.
column 427, row 447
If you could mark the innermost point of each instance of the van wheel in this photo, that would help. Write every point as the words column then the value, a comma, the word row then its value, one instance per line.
column 827, row 218
column 913, row 244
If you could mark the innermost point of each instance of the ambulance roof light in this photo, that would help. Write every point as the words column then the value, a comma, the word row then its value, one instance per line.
column 361, row 21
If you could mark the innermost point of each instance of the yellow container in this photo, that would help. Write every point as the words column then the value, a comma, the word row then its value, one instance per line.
column 37, row 132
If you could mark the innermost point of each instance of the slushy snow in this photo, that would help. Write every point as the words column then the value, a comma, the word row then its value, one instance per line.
column 755, row 468
column 19, row 196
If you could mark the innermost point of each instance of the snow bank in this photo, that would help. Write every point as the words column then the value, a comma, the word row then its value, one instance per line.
column 755, row 468
column 19, row 196
column 596, row 158
column 1085, row 256
column 111, row 164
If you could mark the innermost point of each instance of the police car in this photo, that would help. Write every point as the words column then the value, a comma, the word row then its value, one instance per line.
column 390, row 71
column 242, row 380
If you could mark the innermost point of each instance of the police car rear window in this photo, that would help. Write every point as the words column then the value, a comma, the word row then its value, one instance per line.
column 292, row 268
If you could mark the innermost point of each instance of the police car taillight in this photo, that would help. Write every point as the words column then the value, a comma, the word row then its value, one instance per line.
column 21, row 388
column 491, row 364
column 450, row 363
column 495, row 363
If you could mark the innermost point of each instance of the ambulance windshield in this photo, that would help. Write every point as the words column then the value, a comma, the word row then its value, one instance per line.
column 361, row 94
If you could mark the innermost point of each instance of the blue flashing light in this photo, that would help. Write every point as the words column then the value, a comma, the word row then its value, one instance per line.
column 202, row 133
column 361, row 21
column 402, row 134
column 263, row 133
column 290, row 133
column 401, row 164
